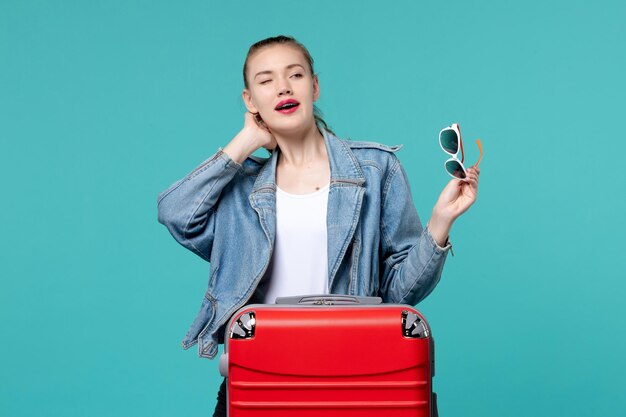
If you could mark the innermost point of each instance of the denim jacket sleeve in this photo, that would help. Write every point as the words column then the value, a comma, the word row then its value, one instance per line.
column 186, row 208
column 412, row 260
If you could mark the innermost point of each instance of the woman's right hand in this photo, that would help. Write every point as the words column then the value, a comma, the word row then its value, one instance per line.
column 254, row 135
column 258, row 131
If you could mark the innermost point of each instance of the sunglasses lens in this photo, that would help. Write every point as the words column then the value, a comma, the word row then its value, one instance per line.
column 455, row 169
column 449, row 141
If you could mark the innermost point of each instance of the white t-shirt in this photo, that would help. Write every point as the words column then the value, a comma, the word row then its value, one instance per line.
column 300, row 260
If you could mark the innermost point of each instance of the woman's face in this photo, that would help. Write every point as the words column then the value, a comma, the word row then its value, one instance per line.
column 277, row 74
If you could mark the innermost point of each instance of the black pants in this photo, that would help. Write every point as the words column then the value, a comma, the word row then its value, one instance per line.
column 220, row 407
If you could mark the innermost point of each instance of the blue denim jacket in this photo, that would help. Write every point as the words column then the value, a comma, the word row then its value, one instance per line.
column 225, row 212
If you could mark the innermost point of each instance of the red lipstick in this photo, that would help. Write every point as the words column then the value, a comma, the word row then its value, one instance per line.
column 287, row 106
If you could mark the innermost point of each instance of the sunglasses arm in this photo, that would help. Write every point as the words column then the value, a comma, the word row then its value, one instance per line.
column 480, row 148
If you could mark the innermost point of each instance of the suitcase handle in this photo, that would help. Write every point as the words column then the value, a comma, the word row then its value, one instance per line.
column 329, row 299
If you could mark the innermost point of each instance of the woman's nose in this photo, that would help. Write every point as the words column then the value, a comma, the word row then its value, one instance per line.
column 284, row 88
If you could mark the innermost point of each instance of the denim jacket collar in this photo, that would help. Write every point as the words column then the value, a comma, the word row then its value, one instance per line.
column 344, row 199
column 343, row 165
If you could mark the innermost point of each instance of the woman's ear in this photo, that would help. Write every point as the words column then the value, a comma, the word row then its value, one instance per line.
column 247, row 100
column 316, row 88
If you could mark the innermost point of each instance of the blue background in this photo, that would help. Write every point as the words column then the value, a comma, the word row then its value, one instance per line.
column 105, row 104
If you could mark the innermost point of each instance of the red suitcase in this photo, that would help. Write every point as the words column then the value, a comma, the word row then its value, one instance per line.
column 329, row 355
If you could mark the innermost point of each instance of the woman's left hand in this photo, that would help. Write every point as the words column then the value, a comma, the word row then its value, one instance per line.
column 457, row 196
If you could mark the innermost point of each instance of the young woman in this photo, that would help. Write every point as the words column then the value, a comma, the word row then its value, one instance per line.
column 320, row 215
